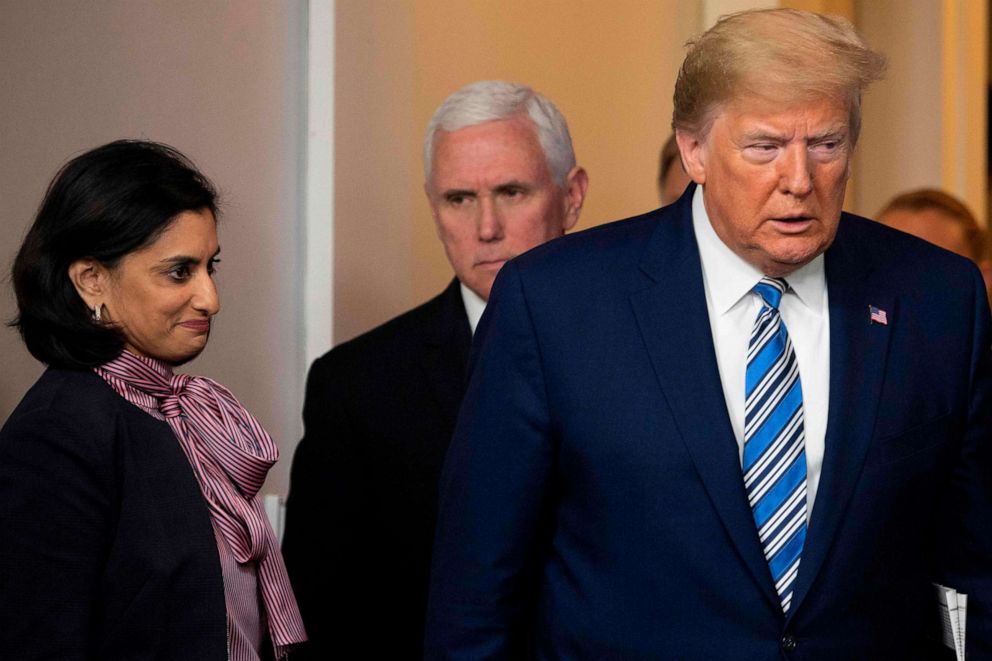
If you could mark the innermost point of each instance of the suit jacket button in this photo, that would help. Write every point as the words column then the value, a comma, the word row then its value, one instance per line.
column 788, row 643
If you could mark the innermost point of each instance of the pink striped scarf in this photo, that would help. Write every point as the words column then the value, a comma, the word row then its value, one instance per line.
column 230, row 454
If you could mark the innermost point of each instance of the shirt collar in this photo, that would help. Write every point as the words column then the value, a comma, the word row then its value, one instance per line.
column 729, row 277
column 474, row 306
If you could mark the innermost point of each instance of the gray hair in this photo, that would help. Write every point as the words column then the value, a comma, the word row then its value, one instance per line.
column 492, row 100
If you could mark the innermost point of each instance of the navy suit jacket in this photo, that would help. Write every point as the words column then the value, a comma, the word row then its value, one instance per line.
column 592, row 505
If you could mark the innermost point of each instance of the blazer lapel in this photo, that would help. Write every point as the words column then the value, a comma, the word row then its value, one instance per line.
column 446, row 348
column 674, row 321
column 858, row 352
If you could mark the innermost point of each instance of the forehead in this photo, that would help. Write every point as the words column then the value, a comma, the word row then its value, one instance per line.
column 756, row 113
column 191, row 233
column 501, row 149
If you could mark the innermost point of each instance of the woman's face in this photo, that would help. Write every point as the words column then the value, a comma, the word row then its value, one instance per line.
column 163, row 295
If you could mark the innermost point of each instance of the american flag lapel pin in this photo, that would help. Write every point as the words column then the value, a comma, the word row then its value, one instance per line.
column 877, row 316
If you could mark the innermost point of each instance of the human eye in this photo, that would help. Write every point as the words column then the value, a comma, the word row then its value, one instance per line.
column 212, row 265
column 761, row 151
column 457, row 198
column 829, row 147
column 179, row 272
column 512, row 192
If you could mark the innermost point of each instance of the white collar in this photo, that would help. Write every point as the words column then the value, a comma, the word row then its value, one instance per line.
column 474, row 306
column 729, row 278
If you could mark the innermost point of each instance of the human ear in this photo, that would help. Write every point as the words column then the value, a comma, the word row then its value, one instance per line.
column 692, row 150
column 576, row 185
column 90, row 278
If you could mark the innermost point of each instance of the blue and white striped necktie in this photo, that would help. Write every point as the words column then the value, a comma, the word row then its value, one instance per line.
column 775, row 441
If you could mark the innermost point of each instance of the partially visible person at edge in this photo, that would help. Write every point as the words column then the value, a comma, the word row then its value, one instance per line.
column 943, row 220
column 500, row 177
column 131, row 522
column 672, row 177
column 746, row 425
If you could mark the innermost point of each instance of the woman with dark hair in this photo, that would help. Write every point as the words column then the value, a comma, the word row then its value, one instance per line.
column 129, row 513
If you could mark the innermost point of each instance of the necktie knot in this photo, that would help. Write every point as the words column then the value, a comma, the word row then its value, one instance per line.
column 169, row 405
column 770, row 290
column 178, row 383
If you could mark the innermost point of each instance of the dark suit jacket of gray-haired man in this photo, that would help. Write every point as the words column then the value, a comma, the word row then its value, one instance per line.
column 380, row 409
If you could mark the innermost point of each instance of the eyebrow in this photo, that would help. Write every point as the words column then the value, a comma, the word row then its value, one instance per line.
column 761, row 134
column 832, row 132
column 457, row 192
column 767, row 135
column 498, row 188
column 513, row 183
column 187, row 259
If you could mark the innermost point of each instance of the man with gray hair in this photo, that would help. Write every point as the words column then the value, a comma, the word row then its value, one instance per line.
column 745, row 426
column 501, row 178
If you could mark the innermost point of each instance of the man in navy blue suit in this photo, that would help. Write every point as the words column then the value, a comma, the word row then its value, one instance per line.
column 745, row 426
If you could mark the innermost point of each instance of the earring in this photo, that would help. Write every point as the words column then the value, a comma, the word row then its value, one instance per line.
column 96, row 311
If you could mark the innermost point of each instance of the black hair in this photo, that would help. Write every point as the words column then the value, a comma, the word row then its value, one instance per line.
column 103, row 204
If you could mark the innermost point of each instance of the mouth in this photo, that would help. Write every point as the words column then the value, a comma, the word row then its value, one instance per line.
column 490, row 264
column 792, row 224
column 198, row 326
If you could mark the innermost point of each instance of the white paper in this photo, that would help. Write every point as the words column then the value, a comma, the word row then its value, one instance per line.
column 953, row 606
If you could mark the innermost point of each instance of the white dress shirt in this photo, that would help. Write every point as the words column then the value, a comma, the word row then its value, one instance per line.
column 474, row 306
column 733, row 307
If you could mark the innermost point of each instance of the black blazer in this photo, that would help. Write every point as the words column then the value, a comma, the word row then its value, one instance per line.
column 378, row 417
column 107, row 549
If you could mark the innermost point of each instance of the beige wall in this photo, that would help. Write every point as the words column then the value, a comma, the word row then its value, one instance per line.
column 222, row 81
column 610, row 67
column 925, row 124
column 900, row 142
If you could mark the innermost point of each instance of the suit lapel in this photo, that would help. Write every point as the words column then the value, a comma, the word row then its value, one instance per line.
column 445, row 354
column 674, row 321
column 858, row 351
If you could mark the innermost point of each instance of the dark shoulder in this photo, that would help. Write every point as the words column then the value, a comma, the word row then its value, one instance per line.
column 603, row 243
column 73, row 413
column 392, row 343
column 76, row 394
column 602, row 260
column 893, row 253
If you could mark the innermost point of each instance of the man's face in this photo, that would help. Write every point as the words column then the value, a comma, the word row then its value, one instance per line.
column 493, row 197
column 773, row 178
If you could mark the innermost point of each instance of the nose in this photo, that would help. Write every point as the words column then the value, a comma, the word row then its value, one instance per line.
column 796, row 175
column 205, row 297
column 490, row 221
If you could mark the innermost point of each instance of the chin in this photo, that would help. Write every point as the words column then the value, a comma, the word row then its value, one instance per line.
column 177, row 358
column 183, row 360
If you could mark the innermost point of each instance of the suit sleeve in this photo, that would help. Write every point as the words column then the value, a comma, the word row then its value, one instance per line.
column 964, row 543
column 321, row 544
column 56, row 517
column 493, row 490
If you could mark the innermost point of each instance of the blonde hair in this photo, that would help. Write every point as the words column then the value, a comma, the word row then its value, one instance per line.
column 783, row 55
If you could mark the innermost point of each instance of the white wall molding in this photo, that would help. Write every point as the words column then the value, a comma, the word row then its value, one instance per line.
column 318, row 219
